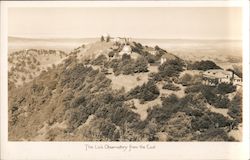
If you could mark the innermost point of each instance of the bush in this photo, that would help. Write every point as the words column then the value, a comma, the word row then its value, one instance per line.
column 210, row 120
column 221, row 102
column 127, row 66
column 171, row 68
column 147, row 92
column 203, row 65
column 141, row 65
column 235, row 108
column 100, row 60
column 102, row 38
column 171, row 99
column 225, row 88
column 107, row 129
column 194, row 88
column 111, row 54
column 214, row 134
column 126, row 57
column 186, row 79
column 77, row 101
column 155, row 76
column 171, row 86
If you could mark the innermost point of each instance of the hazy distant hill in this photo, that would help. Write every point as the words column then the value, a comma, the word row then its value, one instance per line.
column 64, row 44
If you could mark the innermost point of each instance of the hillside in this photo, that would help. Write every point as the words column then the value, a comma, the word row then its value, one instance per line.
column 94, row 93
column 25, row 65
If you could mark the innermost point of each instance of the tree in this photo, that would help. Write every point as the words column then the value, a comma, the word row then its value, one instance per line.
column 108, row 39
column 111, row 54
column 171, row 86
column 100, row 60
column 204, row 65
column 225, row 88
column 214, row 134
column 147, row 92
column 141, row 65
column 186, row 79
column 102, row 39
column 171, row 68
column 235, row 108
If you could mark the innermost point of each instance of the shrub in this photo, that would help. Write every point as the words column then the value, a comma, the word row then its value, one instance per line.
column 209, row 93
column 150, row 58
column 126, row 57
column 114, row 63
column 141, row 65
column 100, row 60
column 221, row 101
column 171, row 68
column 121, row 115
column 214, row 134
column 147, row 92
column 171, row 86
column 111, row 54
column 210, row 120
column 159, row 115
column 186, row 79
column 225, row 88
column 235, row 108
column 107, row 130
column 203, row 65
column 171, row 99
column 155, row 76
column 169, row 107
column 127, row 66
column 78, row 101
column 102, row 38
column 157, row 47
column 194, row 88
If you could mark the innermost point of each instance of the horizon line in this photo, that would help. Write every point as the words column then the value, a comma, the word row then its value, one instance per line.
column 145, row 38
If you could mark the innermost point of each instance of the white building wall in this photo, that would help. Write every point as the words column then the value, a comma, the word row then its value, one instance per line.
column 163, row 60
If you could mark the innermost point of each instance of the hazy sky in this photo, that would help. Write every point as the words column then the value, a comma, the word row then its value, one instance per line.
column 167, row 23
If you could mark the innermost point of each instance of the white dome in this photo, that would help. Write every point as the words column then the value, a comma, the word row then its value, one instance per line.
column 127, row 49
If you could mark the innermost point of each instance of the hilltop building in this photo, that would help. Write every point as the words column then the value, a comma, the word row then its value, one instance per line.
column 106, row 37
column 216, row 76
column 126, row 50
column 120, row 40
column 166, row 57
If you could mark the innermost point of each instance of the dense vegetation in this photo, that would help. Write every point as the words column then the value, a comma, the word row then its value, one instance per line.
column 75, row 100
column 126, row 65
column 203, row 65
column 146, row 92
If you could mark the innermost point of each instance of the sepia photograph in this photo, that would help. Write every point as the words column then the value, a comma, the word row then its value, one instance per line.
column 126, row 80
column 125, row 74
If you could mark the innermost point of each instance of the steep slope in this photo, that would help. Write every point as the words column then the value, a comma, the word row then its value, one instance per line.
column 25, row 65
column 76, row 100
